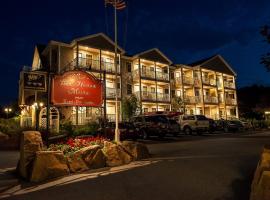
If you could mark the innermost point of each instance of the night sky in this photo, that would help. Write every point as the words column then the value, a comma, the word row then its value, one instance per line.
column 184, row 30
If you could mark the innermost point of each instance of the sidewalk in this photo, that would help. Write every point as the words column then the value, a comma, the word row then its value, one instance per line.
column 8, row 163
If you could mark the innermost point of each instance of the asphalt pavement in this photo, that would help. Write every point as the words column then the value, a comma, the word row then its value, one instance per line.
column 208, row 167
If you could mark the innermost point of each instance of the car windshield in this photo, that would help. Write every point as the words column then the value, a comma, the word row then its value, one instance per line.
column 201, row 117
column 173, row 121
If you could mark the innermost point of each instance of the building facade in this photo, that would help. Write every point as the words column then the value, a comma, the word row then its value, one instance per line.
column 204, row 87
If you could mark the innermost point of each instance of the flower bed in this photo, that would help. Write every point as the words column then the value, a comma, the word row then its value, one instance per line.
column 72, row 145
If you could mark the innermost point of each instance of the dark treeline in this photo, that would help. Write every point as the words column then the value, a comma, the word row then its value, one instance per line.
column 253, row 101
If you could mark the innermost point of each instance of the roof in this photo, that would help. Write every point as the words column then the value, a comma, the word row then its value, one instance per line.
column 99, row 41
column 154, row 55
column 216, row 63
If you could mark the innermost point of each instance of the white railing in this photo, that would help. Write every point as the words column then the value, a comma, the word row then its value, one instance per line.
column 162, row 76
column 110, row 92
column 209, row 99
column 228, row 84
column 163, row 97
column 230, row 101
column 188, row 80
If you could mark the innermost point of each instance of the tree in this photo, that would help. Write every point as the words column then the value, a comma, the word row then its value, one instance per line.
column 265, row 59
column 129, row 106
column 178, row 104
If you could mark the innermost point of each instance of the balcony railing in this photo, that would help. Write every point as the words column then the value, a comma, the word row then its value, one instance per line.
column 90, row 64
column 188, row 80
column 197, row 82
column 163, row 97
column 178, row 81
column 209, row 81
column 228, row 84
column 209, row 99
column 110, row 93
column 230, row 101
column 111, row 117
column 148, row 73
column 162, row 76
column 190, row 99
column 148, row 96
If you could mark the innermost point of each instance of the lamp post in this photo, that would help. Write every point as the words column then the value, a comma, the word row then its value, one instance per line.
column 37, row 106
column 7, row 111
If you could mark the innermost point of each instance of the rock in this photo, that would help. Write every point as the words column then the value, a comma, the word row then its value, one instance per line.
column 115, row 154
column 81, row 160
column 76, row 163
column 48, row 165
column 137, row 150
column 97, row 161
column 262, row 191
column 31, row 142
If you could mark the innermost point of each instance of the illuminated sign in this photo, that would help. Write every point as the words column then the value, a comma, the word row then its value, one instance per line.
column 76, row 88
column 34, row 81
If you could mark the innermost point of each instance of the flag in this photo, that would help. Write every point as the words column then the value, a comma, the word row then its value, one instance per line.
column 118, row 4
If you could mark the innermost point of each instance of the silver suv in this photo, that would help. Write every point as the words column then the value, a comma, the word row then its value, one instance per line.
column 193, row 123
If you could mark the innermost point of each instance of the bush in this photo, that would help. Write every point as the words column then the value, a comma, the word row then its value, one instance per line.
column 10, row 126
column 89, row 129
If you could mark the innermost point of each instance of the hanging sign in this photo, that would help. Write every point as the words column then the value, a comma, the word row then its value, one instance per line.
column 34, row 81
column 76, row 88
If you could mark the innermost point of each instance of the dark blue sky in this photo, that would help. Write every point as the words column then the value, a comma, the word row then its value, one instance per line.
column 184, row 30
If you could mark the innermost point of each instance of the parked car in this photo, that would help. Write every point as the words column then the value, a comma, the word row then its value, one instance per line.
column 212, row 125
column 127, row 131
column 193, row 123
column 229, row 125
column 154, row 125
column 173, row 127
column 246, row 125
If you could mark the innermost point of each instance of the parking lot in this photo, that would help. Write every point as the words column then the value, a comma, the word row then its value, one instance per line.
column 206, row 167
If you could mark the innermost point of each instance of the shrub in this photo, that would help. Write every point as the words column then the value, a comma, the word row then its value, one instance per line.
column 89, row 129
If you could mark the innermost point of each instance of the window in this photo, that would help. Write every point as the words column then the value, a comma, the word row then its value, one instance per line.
column 152, row 69
column 173, row 93
column 145, row 110
column 166, row 91
column 154, row 109
column 129, row 89
column 118, row 85
column 128, row 66
column 172, row 75
column 144, row 89
column 153, row 90
column 165, row 70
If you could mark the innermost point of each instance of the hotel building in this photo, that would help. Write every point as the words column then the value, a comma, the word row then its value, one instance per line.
column 206, row 87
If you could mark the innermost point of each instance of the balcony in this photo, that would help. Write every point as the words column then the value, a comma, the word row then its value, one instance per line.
column 228, row 84
column 178, row 81
column 197, row 82
column 162, row 76
column 190, row 99
column 230, row 101
column 90, row 64
column 110, row 93
column 188, row 80
column 148, row 73
column 209, row 81
column 163, row 97
column 209, row 99
column 146, row 96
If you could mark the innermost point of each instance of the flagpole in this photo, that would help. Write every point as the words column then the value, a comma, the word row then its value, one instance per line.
column 117, row 133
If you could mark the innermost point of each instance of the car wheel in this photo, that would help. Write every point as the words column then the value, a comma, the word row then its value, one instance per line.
column 145, row 136
column 187, row 130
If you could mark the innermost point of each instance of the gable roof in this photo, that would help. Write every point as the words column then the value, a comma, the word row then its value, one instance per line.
column 99, row 41
column 216, row 63
column 154, row 55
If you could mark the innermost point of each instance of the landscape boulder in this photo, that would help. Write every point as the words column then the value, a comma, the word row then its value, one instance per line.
column 81, row 159
column 115, row 154
column 137, row 150
column 97, row 160
column 30, row 143
column 48, row 165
